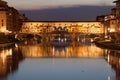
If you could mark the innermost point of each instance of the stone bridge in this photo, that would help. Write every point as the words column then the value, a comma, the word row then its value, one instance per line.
column 49, row 30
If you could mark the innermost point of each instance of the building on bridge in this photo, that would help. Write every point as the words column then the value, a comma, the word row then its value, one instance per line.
column 86, row 27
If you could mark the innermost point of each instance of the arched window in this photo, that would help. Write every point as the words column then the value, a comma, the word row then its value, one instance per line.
column 59, row 28
column 54, row 28
column 65, row 28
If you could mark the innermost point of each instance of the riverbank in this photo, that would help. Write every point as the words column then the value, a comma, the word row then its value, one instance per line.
column 7, row 40
column 107, row 45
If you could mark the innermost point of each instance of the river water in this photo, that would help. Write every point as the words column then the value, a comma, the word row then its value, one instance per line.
column 43, row 61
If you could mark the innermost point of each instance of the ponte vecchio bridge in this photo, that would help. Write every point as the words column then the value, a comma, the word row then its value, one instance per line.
column 73, row 28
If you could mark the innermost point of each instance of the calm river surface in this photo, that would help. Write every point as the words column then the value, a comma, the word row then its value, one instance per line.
column 43, row 61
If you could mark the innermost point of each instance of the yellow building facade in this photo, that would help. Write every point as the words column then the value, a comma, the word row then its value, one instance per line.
column 10, row 18
column 3, row 21
column 90, row 27
column 117, row 2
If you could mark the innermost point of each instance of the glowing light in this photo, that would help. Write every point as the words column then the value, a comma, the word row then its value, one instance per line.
column 92, row 40
column 8, row 31
column 3, row 56
column 66, row 50
column 65, row 39
column 112, row 30
column 53, row 51
column 109, row 78
column 3, row 30
column 9, row 52
column 108, row 58
column 59, row 39
column 16, row 45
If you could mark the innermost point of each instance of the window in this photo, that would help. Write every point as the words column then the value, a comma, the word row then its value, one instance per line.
column 112, row 22
column 2, row 20
column 2, row 24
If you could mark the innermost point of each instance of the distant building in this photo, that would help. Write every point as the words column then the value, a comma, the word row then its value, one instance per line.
column 3, row 16
column 109, row 21
column 118, row 14
column 10, row 19
column 100, row 18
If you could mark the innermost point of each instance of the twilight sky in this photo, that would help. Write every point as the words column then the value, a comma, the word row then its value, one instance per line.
column 40, row 4
column 62, row 10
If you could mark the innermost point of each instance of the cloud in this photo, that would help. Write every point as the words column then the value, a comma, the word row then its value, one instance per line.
column 43, row 4
column 71, row 13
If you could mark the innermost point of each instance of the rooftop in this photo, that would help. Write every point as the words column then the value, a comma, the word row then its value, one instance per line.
column 3, row 3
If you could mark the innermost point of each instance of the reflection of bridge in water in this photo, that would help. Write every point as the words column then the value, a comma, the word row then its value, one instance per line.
column 10, row 57
column 48, row 50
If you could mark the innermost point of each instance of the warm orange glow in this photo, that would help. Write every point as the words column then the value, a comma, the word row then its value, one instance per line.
column 108, row 58
column 3, row 29
column 16, row 45
column 112, row 30
column 37, row 27
column 70, row 51
column 3, row 56
column 9, row 52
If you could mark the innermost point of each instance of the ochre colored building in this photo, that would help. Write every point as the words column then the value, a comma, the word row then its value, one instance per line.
column 10, row 19
column 88, row 27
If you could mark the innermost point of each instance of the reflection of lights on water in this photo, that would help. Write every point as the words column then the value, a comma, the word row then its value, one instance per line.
column 3, row 57
column 66, row 48
column 108, row 58
column 10, row 68
column 9, row 52
column 109, row 78
column 78, row 39
column 53, row 51
column 106, row 51
column 61, row 51
column 6, row 53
